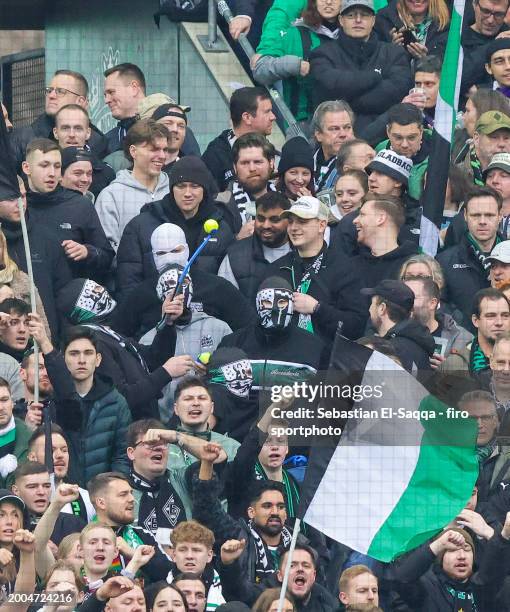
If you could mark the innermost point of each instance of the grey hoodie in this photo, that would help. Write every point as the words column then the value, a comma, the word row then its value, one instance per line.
column 202, row 334
column 122, row 200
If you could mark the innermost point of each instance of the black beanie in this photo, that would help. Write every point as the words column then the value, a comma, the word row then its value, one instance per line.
column 191, row 169
column 296, row 152
column 275, row 282
column 496, row 45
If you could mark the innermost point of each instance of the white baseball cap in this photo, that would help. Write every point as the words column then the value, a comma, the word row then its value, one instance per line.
column 501, row 252
column 308, row 207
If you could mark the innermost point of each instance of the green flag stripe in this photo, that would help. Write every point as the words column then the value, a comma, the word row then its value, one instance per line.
column 439, row 488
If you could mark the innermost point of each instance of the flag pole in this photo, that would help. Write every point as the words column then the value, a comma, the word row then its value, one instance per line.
column 48, row 446
column 290, row 552
column 33, row 308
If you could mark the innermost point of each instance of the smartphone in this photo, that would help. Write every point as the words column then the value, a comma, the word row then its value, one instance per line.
column 409, row 36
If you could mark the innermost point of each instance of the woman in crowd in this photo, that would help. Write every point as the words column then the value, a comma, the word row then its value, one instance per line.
column 17, row 565
column 164, row 597
column 422, row 266
column 295, row 170
column 420, row 27
column 288, row 61
column 69, row 551
column 268, row 602
column 350, row 189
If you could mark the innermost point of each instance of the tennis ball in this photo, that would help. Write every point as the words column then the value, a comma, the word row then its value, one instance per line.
column 204, row 358
column 211, row 225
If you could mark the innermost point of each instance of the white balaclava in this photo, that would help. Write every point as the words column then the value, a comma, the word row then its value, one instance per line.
column 169, row 246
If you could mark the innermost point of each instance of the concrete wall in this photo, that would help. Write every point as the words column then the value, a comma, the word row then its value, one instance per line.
column 14, row 41
column 95, row 35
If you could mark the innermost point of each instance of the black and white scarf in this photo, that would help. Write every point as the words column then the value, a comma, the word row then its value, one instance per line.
column 322, row 169
column 263, row 567
column 244, row 202
column 159, row 507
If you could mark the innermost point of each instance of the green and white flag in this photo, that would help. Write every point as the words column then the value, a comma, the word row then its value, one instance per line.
column 403, row 466
column 444, row 124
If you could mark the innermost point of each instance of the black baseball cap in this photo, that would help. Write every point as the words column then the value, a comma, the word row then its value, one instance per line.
column 393, row 291
column 8, row 496
column 70, row 155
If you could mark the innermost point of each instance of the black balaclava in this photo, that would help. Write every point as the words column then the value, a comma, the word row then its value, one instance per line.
column 275, row 304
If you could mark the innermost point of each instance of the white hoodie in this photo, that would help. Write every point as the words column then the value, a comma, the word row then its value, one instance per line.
column 122, row 200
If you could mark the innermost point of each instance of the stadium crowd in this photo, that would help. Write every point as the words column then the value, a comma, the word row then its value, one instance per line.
column 139, row 464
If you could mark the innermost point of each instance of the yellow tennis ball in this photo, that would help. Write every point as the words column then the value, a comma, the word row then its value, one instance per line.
column 204, row 358
column 211, row 225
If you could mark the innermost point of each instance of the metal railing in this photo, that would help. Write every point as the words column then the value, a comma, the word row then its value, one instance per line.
column 211, row 43
column 22, row 81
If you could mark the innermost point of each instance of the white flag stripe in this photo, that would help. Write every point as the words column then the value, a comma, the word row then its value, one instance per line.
column 356, row 473
column 365, row 459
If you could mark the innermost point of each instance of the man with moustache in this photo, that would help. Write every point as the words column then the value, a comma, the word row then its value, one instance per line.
column 26, row 408
column 82, row 506
column 112, row 496
column 254, row 159
column 246, row 261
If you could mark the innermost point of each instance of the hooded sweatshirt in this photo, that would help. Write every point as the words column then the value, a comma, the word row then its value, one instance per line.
column 122, row 200
column 413, row 343
column 373, row 269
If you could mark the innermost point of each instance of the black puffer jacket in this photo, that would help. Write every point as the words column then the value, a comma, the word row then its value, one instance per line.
column 135, row 261
column 71, row 216
column 371, row 76
column 413, row 343
column 336, row 286
column 388, row 18
column 464, row 276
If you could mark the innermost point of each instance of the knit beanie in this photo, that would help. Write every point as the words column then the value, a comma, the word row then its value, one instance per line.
column 391, row 164
column 191, row 169
column 296, row 152
column 467, row 537
column 496, row 45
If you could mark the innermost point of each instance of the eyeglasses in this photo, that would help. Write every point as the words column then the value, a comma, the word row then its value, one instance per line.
column 60, row 91
column 488, row 13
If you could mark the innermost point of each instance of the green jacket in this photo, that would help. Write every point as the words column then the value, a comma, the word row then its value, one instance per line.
column 279, row 18
column 23, row 435
column 415, row 188
column 284, row 63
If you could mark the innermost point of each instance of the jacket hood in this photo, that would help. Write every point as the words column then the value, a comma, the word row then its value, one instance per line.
column 406, row 249
column 412, row 330
column 101, row 387
column 125, row 178
column 320, row 30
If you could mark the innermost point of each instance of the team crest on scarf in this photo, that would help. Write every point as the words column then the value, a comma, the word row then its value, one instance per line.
column 236, row 376
column 94, row 302
column 167, row 283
